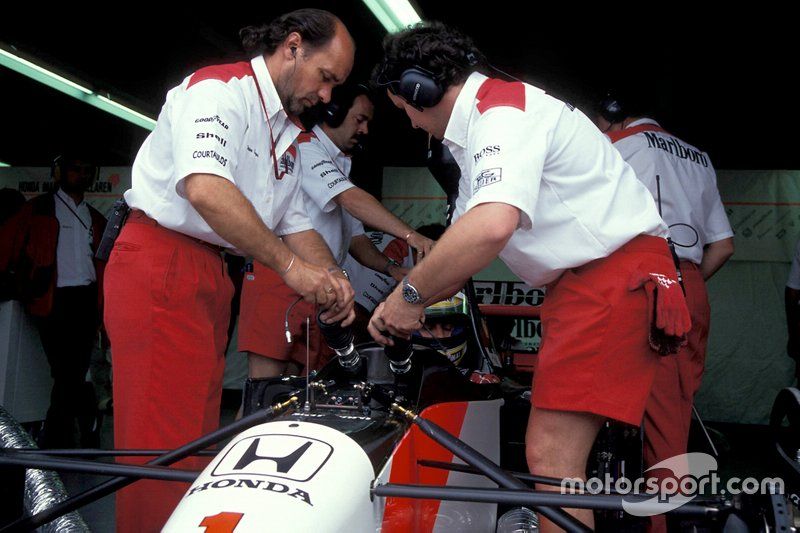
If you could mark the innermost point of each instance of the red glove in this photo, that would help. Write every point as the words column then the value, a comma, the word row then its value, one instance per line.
column 670, row 315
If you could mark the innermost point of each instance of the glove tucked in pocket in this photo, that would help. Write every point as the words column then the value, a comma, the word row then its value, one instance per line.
column 670, row 321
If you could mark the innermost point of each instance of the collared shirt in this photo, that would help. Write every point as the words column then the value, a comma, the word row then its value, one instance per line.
column 690, row 201
column 74, row 250
column 578, row 200
column 325, row 171
column 214, row 123
column 372, row 287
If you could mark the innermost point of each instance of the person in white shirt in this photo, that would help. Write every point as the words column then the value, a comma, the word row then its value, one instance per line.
column 219, row 171
column 337, row 209
column 542, row 188
column 48, row 248
column 682, row 180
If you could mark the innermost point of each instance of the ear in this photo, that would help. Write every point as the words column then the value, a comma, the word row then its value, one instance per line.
column 291, row 45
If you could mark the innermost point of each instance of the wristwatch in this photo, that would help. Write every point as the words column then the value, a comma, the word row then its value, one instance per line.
column 410, row 293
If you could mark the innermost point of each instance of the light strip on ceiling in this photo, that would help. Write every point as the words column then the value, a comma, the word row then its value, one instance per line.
column 394, row 15
column 75, row 90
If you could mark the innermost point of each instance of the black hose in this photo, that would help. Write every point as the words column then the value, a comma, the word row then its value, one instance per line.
column 534, row 499
column 103, row 469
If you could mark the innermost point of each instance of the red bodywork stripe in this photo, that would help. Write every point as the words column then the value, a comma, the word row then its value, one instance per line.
column 403, row 515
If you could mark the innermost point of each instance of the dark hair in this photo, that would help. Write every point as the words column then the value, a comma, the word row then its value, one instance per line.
column 631, row 100
column 342, row 99
column 316, row 26
column 432, row 231
column 442, row 50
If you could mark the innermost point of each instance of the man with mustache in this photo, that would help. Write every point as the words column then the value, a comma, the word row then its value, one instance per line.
column 337, row 209
column 219, row 172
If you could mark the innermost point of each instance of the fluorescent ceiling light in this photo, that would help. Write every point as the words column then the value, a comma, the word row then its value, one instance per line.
column 394, row 15
column 75, row 90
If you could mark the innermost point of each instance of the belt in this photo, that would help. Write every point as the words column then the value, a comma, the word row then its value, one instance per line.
column 138, row 216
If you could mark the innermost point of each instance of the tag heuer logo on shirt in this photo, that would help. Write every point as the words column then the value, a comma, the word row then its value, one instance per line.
column 487, row 177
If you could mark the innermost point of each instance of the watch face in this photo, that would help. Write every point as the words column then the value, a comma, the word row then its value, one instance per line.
column 410, row 294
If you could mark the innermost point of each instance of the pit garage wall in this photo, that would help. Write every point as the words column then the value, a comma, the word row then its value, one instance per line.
column 746, row 364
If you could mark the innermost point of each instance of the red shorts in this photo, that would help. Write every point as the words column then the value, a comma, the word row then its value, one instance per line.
column 595, row 356
column 167, row 308
column 265, row 299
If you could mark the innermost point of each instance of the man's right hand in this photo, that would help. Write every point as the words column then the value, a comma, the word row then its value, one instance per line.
column 318, row 285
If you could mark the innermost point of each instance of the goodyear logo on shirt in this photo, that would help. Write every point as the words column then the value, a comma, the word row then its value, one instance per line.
column 487, row 177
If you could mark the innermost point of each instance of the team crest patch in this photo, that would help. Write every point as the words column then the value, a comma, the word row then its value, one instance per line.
column 286, row 162
column 487, row 177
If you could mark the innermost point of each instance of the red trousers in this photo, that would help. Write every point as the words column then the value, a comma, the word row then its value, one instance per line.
column 167, row 310
column 265, row 299
column 668, row 413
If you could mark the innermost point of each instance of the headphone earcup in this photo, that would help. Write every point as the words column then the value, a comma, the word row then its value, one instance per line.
column 611, row 110
column 334, row 114
column 419, row 88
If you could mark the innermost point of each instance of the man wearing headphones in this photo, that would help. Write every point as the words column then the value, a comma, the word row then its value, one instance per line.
column 682, row 180
column 541, row 188
column 337, row 209
column 219, row 171
column 48, row 250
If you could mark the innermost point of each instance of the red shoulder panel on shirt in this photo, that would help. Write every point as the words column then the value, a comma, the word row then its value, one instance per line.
column 627, row 132
column 305, row 137
column 499, row 93
column 223, row 73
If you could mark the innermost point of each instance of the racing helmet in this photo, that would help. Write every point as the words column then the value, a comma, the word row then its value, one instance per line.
column 451, row 314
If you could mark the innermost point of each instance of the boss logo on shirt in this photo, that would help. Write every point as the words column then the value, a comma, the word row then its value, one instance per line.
column 487, row 177
column 489, row 150
column 219, row 139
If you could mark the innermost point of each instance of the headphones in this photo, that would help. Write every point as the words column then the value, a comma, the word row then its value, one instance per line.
column 60, row 161
column 419, row 86
column 294, row 51
column 342, row 100
column 611, row 109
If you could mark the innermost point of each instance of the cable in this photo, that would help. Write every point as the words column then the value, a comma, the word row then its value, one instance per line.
column 286, row 320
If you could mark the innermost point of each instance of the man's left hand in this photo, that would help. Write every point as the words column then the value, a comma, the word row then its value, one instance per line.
column 396, row 317
column 420, row 243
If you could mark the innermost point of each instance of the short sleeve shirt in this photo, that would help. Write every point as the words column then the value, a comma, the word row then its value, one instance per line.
column 225, row 120
column 578, row 200
column 684, row 178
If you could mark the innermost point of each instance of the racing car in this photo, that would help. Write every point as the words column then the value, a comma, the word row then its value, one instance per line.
column 392, row 439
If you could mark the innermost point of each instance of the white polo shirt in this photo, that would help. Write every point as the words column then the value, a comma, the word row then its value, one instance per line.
column 372, row 287
column 690, row 202
column 325, row 172
column 74, row 255
column 214, row 123
column 578, row 200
